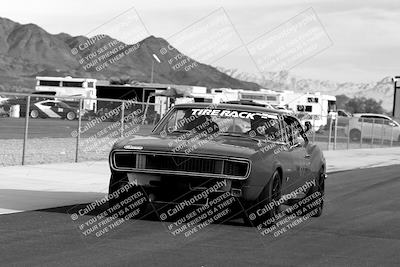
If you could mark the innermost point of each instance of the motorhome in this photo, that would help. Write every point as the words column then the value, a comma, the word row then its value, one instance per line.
column 68, row 86
column 314, row 107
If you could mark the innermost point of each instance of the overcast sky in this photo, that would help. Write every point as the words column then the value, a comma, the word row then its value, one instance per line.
column 365, row 33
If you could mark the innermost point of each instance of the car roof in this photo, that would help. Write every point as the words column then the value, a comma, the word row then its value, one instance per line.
column 369, row 114
column 50, row 100
column 230, row 106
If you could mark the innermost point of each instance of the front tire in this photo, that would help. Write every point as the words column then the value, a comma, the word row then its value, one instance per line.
column 319, row 190
column 34, row 114
column 355, row 135
column 118, row 202
column 271, row 193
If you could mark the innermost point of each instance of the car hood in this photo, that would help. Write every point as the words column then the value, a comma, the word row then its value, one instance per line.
column 228, row 146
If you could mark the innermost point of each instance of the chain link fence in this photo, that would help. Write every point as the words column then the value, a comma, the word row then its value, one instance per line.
column 359, row 131
column 37, row 129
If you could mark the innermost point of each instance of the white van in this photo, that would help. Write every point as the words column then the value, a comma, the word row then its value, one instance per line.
column 376, row 126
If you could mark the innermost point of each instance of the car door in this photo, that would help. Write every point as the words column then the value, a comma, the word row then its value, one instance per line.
column 294, row 156
column 378, row 127
column 366, row 126
column 58, row 108
column 47, row 108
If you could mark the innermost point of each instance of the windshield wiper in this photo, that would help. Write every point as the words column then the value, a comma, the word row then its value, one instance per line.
column 180, row 131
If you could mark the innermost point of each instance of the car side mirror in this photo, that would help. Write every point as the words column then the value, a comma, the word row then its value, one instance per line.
column 308, row 126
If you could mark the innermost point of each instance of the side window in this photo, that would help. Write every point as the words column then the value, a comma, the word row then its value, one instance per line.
column 287, row 132
column 366, row 119
column 379, row 120
column 268, row 127
column 297, row 133
column 171, row 123
column 390, row 122
column 294, row 131
column 274, row 130
column 49, row 104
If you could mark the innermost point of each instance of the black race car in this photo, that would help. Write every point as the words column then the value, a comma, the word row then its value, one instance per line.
column 53, row 109
column 200, row 155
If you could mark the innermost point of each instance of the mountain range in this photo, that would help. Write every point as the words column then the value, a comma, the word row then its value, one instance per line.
column 27, row 51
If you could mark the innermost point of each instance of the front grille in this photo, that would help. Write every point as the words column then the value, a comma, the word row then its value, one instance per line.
column 125, row 160
column 235, row 168
column 180, row 164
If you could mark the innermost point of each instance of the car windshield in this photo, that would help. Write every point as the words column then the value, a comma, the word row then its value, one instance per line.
column 208, row 121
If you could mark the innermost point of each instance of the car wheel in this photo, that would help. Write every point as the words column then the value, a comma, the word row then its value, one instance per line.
column 319, row 191
column 120, row 199
column 355, row 135
column 71, row 116
column 271, row 193
column 34, row 113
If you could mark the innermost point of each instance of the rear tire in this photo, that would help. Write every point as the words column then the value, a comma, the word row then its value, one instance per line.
column 34, row 114
column 70, row 116
column 355, row 135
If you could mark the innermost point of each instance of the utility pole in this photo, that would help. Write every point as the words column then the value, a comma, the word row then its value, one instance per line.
column 396, row 97
column 152, row 66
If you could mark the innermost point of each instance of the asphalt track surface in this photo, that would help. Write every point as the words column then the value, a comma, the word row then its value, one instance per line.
column 14, row 128
column 359, row 227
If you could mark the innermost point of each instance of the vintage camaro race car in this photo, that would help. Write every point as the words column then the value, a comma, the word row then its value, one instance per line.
column 204, row 157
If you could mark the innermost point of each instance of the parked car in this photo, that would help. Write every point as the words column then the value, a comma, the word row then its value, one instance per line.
column 262, row 165
column 376, row 126
column 343, row 113
column 53, row 109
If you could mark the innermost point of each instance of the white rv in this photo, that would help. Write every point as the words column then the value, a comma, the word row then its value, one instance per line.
column 69, row 86
column 313, row 107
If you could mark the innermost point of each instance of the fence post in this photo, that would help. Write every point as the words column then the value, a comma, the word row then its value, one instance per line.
column 382, row 133
column 28, row 107
column 372, row 131
column 361, row 134
column 122, row 117
column 330, row 133
column 78, row 132
column 334, row 144
column 391, row 138
column 348, row 135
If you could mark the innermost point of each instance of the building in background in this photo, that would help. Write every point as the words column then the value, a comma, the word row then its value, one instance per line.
column 68, row 86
